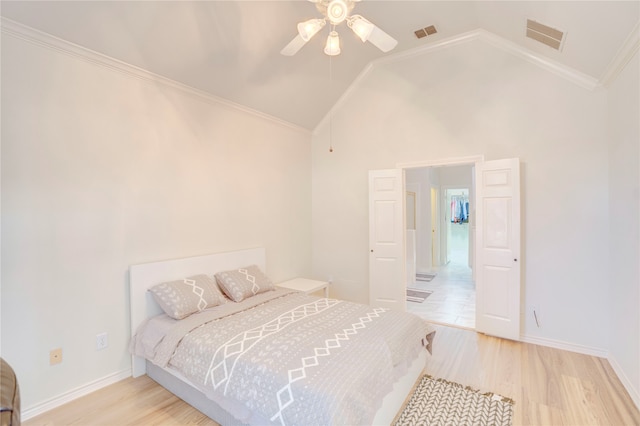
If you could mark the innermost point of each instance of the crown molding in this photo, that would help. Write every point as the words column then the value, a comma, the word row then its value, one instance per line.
column 623, row 56
column 570, row 74
column 42, row 39
column 48, row 41
column 574, row 76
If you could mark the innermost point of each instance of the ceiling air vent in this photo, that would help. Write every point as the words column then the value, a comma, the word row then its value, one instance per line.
column 423, row 32
column 544, row 34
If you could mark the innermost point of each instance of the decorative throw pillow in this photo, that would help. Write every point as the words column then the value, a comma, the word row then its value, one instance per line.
column 181, row 298
column 238, row 284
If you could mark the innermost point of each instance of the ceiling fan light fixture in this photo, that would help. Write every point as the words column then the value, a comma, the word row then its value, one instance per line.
column 308, row 29
column 360, row 26
column 332, row 48
column 337, row 11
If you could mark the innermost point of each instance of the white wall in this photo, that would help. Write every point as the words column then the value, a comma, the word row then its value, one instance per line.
column 456, row 176
column 101, row 170
column 417, row 180
column 473, row 99
column 624, row 210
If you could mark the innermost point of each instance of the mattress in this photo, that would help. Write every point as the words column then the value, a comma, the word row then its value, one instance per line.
column 284, row 357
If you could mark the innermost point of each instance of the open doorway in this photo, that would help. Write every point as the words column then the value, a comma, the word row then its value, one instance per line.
column 444, row 244
column 457, row 211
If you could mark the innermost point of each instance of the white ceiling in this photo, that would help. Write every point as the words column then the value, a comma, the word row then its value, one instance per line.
column 230, row 49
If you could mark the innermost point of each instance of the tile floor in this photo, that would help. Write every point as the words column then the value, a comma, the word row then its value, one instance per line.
column 453, row 299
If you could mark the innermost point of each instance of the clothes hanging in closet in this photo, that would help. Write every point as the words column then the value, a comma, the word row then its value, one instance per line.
column 459, row 209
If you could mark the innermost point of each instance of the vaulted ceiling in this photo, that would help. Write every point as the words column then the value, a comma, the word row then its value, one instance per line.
column 230, row 49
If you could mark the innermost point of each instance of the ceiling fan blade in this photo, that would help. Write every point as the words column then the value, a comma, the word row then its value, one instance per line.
column 293, row 46
column 382, row 40
column 367, row 31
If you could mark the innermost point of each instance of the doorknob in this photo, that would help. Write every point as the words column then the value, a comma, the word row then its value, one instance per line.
column 371, row 250
column 515, row 260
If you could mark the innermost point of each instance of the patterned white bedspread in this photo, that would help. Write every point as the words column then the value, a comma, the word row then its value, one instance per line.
column 290, row 358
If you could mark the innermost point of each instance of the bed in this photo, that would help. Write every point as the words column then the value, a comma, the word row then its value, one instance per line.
column 272, row 356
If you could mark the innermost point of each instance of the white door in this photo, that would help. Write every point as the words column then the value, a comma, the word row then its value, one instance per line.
column 387, row 276
column 498, row 248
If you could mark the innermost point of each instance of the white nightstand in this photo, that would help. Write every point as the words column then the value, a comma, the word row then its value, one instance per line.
column 306, row 285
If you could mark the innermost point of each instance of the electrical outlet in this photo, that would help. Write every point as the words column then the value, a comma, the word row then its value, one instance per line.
column 102, row 341
column 55, row 356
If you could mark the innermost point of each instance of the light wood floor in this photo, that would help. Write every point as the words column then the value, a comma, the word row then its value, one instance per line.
column 453, row 297
column 550, row 387
column 452, row 300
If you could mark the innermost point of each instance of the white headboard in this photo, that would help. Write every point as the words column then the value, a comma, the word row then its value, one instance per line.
column 146, row 275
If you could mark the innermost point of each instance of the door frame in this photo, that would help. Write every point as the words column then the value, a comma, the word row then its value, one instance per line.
column 471, row 160
column 476, row 162
column 454, row 161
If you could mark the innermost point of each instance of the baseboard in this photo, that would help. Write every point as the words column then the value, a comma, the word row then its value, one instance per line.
column 633, row 393
column 76, row 393
column 571, row 347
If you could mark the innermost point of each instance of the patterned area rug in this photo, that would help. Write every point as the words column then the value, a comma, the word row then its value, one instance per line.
column 417, row 295
column 440, row 402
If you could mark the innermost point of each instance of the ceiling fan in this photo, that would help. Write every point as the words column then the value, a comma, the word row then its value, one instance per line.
column 336, row 12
